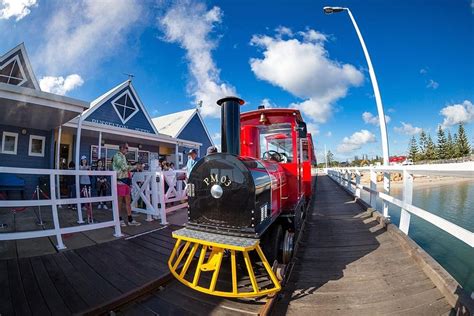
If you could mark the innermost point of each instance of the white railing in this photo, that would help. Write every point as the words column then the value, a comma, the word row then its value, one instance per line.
column 54, row 201
column 343, row 176
column 158, row 190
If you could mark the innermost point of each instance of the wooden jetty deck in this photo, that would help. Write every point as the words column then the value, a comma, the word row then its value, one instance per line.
column 74, row 281
column 350, row 264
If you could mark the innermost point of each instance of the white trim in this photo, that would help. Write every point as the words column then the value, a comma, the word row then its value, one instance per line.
column 43, row 139
column 3, row 143
column 91, row 126
column 97, row 103
column 127, row 96
column 22, row 49
column 16, row 60
column 27, row 95
column 202, row 122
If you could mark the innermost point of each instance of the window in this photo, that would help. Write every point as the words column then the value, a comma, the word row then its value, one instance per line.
column 180, row 158
column 9, row 143
column 36, row 147
column 277, row 138
column 12, row 72
column 125, row 106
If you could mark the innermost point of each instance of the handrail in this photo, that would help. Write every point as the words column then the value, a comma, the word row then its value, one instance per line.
column 54, row 200
column 343, row 176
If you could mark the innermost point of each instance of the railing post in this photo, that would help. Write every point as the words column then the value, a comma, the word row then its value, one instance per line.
column 407, row 199
column 115, row 206
column 373, row 186
column 54, row 208
column 348, row 180
column 161, row 198
column 386, row 188
column 357, row 189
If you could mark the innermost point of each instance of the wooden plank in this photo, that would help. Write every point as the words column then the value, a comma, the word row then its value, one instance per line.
column 84, row 287
column 6, row 306
column 159, row 243
column 70, row 297
column 150, row 246
column 19, row 300
column 31, row 289
column 48, row 290
column 149, row 257
column 107, row 290
column 109, row 271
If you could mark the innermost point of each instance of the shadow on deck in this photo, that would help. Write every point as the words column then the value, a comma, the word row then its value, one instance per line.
column 350, row 264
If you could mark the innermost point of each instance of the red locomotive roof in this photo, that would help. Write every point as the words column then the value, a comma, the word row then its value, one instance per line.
column 246, row 116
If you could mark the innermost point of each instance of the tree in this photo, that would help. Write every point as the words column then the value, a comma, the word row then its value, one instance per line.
column 423, row 145
column 442, row 147
column 413, row 149
column 329, row 158
column 463, row 146
column 430, row 149
column 450, row 146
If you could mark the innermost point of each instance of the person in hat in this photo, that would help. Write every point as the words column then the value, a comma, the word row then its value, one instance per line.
column 192, row 159
column 211, row 150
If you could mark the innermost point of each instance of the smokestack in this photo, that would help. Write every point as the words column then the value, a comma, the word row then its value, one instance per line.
column 230, row 124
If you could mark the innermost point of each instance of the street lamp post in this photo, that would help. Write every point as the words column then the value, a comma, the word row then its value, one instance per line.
column 378, row 98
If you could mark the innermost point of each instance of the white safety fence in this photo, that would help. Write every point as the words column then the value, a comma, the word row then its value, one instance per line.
column 159, row 192
column 344, row 176
column 54, row 200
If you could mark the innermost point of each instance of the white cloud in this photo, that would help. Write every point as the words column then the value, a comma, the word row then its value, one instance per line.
column 423, row 71
column 432, row 84
column 312, row 128
column 329, row 134
column 369, row 118
column 408, row 129
column 80, row 34
column 17, row 9
column 355, row 141
column 266, row 102
column 60, row 85
column 190, row 24
column 216, row 138
column 457, row 113
column 301, row 66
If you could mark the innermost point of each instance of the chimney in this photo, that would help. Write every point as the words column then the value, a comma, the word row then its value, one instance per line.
column 230, row 124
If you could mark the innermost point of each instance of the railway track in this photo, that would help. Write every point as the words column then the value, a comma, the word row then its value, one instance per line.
column 167, row 296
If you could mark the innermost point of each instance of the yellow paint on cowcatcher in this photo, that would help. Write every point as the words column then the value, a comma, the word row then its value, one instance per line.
column 216, row 246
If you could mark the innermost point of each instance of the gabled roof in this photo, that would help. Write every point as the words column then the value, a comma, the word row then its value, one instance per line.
column 19, row 56
column 106, row 96
column 173, row 124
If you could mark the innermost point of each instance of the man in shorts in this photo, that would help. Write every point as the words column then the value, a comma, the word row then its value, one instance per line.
column 124, row 181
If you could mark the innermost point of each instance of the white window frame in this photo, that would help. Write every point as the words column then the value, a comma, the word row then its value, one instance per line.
column 14, row 60
column 3, row 143
column 43, row 139
column 128, row 96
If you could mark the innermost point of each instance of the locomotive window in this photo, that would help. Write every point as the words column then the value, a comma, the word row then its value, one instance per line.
column 277, row 138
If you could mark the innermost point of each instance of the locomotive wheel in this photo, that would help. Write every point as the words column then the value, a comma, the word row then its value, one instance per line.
column 288, row 245
column 272, row 244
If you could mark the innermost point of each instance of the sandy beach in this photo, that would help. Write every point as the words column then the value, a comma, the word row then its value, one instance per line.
column 419, row 181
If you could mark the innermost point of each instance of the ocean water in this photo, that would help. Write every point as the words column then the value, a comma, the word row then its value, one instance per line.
column 454, row 202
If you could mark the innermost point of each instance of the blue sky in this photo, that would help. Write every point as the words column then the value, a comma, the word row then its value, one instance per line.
column 281, row 53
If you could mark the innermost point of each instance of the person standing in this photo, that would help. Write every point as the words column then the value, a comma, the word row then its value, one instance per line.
column 85, row 180
column 192, row 159
column 121, row 166
column 101, row 184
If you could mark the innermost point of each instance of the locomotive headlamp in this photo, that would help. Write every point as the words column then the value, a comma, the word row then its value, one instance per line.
column 216, row 191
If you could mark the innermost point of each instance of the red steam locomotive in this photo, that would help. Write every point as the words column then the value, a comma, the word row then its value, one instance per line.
column 250, row 198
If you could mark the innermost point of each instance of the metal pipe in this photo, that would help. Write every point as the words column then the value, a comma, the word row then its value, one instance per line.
column 230, row 124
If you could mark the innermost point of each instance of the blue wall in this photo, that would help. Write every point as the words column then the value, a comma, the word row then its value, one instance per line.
column 195, row 132
column 21, row 159
column 107, row 113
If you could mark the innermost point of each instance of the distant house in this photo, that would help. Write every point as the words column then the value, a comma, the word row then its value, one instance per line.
column 187, row 125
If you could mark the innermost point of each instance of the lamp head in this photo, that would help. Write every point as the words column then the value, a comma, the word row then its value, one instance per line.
column 331, row 10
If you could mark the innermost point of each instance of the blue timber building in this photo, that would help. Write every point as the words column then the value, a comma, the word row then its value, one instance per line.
column 40, row 129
